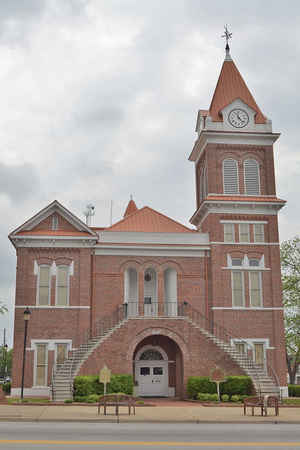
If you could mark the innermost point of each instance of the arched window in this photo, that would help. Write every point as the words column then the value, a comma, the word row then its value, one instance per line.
column 170, row 284
column 150, row 292
column 43, row 297
column 230, row 176
column 62, row 286
column 251, row 177
column 131, row 291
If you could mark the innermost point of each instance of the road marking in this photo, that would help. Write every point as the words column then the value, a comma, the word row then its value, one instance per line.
column 153, row 443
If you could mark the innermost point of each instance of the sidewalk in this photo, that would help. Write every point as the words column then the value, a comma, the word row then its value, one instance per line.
column 161, row 412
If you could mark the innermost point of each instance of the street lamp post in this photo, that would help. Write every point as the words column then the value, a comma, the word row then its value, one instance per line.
column 27, row 313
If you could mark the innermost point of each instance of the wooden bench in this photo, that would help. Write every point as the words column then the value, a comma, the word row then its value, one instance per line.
column 117, row 400
column 268, row 401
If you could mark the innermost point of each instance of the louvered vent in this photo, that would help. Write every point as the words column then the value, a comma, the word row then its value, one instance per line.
column 230, row 176
column 251, row 173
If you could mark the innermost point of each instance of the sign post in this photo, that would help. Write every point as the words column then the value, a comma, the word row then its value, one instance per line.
column 217, row 376
column 104, row 376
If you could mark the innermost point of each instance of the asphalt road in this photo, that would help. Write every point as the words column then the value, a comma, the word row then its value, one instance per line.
column 53, row 435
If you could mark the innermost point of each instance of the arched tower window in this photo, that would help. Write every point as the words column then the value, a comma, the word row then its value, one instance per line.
column 230, row 176
column 131, row 291
column 251, row 177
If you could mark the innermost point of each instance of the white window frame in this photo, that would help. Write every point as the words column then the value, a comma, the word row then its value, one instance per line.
column 243, row 289
column 260, row 288
column 231, row 225
column 232, row 192
column 258, row 177
column 240, row 233
column 255, row 234
column 38, row 285
column 68, row 284
column 35, row 364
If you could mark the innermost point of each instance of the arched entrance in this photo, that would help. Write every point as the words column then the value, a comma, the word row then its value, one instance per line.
column 151, row 372
column 158, row 367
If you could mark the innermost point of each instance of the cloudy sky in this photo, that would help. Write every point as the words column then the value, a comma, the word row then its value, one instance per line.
column 99, row 101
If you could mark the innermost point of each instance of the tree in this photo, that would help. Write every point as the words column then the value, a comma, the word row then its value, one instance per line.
column 5, row 361
column 290, row 268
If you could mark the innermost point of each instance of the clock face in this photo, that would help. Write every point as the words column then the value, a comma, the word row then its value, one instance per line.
column 238, row 118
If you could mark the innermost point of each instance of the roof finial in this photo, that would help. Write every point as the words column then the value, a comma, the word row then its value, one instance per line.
column 131, row 198
column 227, row 35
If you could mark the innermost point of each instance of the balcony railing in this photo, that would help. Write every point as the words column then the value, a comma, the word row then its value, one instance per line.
column 154, row 309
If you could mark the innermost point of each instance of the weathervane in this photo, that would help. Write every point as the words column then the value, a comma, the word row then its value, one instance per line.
column 227, row 36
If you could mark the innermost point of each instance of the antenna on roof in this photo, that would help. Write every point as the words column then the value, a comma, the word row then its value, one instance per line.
column 89, row 212
column 111, row 212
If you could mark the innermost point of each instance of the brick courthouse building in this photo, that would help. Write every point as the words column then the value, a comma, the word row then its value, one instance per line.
column 150, row 297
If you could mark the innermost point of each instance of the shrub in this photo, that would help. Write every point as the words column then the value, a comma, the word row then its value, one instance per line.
column 89, row 384
column 234, row 385
column 235, row 398
column 6, row 387
column 68, row 400
column 205, row 397
column 294, row 390
column 93, row 398
column 200, row 384
column 225, row 398
column 237, row 385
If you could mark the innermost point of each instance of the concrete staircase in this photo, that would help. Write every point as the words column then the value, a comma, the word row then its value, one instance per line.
column 263, row 383
column 63, row 377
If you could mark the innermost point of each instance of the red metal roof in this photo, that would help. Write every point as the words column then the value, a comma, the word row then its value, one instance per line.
column 231, row 86
column 148, row 220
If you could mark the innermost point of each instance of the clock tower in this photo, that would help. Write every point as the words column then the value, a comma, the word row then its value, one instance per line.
column 236, row 203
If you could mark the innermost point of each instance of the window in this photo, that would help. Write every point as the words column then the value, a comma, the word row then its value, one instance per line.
column 230, row 176
column 44, row 285
column 236, row 262
column 41, row 365
column 251, row 177
column 255, row 289
column 229, row 232
column 258, row 231
column 61, row 353
column 253, row 262
column 54, row 222
column 244, row 232
column 240, row 347
column 62, row 286
column 259, row 353
column 237, row 289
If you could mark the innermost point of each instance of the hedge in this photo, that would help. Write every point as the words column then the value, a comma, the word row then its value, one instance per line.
column 294, row 390
column 234, row 385
column 86, row 385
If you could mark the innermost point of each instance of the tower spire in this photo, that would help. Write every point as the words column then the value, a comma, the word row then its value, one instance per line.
column 227, row 35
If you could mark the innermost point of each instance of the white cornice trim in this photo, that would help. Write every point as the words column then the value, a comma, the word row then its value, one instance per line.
column 51, row 242
column 245, row 243
column 244, row 221
column 247, row 268
column 151, row 251
column 50, row 307
column 230, row 207
column 230, row 138
column 247, row 308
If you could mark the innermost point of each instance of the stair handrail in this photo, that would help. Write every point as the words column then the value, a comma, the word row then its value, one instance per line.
column 220, row 332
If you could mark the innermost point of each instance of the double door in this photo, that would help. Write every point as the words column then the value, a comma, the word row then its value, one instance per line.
column 152, row 378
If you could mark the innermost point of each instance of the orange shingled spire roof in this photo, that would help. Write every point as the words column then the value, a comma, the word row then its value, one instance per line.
column 231, row 86
column 131, row 208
